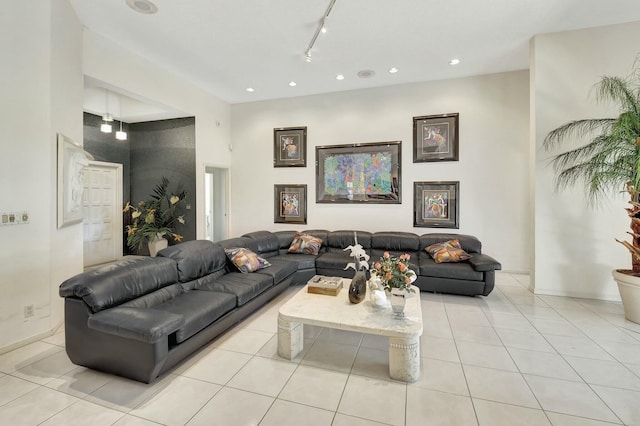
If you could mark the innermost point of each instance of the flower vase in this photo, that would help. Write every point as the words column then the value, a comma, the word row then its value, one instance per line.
column 358, row 287
column 398, row 300
column 156, row 244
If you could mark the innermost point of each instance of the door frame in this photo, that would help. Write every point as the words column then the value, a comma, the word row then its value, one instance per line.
column 117, row 206
column 227, row 195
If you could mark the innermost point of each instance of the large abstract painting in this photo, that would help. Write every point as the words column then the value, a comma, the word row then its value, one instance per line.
column 358, row 173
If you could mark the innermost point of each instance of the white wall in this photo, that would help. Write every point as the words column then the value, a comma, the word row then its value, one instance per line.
column 493, row 167
column 41, row 94
column 108, row 62
column 575, row 249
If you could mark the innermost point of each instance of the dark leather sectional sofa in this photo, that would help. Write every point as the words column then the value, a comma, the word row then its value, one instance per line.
column 141, row 317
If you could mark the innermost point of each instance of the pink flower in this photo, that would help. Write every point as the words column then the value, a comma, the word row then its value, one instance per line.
column 407, row 280
column 386, row 255
column 402, row 267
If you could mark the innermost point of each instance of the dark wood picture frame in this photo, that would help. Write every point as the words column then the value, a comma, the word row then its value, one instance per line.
column 436, row 204
column 290, row 147
column 359, row 173
column 290, row 203
column 435, row 138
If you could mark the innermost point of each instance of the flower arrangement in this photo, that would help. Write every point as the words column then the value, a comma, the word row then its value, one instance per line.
column 155, row 218
column 394, row 272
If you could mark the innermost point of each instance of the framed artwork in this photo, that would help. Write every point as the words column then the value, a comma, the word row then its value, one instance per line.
column 435, row 138
column 71, row 161
column 436, row 204
column 290, row 147
column 359, row 173
column 290, row 204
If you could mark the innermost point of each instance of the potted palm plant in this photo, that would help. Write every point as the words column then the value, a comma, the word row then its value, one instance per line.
column 154, row 220
column 608, row 162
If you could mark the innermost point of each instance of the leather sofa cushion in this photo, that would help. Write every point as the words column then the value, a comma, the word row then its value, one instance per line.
column 157, row 297
column 339, row 240
column 112, row 285
column 303, row 261
column 196, row 258
column 279, row 270
column 469, row 243
column 461, row 271
column 243, row 287
column 266, row 243
column 334, row 260
column 145, row 325
column 199, row 309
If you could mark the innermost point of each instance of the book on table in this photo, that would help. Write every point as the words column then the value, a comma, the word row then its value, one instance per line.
column 320, row 284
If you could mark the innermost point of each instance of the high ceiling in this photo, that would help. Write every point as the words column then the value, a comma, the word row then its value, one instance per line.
column 226, row 46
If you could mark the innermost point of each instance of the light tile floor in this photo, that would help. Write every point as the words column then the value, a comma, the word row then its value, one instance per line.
column 512, row 358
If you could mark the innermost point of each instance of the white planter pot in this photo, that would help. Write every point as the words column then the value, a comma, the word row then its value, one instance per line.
column 156, row 245
column 629, row 287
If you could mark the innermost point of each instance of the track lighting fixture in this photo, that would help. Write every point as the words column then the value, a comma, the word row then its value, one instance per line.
column 320, row 29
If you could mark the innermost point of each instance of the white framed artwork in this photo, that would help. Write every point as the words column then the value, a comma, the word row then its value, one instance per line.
column 71, row 160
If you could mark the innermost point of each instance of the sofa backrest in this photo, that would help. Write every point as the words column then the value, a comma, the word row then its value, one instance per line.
column 196, row 259
column 469, row 243
column 339, row 240
column 267, row 244
column 112, row 285
column 395, row 243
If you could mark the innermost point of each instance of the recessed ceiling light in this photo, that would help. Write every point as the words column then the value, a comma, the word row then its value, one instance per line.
column 292, row 83
column 366, row 73
column 339, row 77
column 393, row 70
column 454, row 62
column 142, row 6
column 249, row 89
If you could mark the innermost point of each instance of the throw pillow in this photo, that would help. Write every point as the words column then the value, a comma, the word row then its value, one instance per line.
column 449, row 251
column 245, row 260
column 305, row 243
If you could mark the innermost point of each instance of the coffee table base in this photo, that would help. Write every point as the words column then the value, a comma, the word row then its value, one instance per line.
column 404, row 354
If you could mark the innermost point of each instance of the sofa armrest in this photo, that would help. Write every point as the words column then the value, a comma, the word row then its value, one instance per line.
column 484, row 263
column 145, row 325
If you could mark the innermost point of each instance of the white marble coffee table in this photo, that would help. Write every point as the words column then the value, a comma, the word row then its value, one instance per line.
column 338, row 313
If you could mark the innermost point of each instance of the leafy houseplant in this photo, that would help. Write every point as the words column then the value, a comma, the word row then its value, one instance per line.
column 394, row 272
column 609, row 161
column 157, row 217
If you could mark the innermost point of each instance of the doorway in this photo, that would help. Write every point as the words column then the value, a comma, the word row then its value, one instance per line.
column 102, row 216
column 216, row 184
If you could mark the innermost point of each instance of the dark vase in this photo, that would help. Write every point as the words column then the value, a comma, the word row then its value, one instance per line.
column 358, row 287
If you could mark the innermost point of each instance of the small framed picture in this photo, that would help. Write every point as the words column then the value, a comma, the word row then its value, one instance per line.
column 435, row 138
column 290, row 204
column 436, row 204
column 290, row 147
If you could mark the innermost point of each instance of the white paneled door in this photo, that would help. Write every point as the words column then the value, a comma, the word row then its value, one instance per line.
column 102, row 216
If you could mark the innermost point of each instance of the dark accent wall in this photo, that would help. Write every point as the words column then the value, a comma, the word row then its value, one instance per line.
column 165, row 148
column 152, row 150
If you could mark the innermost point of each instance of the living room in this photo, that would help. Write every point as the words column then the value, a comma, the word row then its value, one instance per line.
column 507, row 196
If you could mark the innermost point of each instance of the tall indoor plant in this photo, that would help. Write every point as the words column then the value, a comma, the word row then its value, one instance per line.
column 156, row 218
column 609, row 162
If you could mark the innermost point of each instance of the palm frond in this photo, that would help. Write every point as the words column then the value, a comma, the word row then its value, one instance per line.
column 579, row 128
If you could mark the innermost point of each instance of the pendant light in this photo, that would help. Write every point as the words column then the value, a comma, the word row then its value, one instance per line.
column 120, row 134
column 107, row 118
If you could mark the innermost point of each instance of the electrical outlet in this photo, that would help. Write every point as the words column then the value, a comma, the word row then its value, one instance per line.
column 29, row 311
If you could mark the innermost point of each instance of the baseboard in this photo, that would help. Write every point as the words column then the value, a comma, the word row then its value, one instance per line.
column 31, row 339
column 607, row 297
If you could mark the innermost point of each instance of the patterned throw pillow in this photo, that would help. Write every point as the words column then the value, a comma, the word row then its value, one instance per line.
column 305, row 243
column 246, row 260
column 449, row 251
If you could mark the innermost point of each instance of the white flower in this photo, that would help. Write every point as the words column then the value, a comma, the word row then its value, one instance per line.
column 181, row 219
column 174, row 199
column 136, row 214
